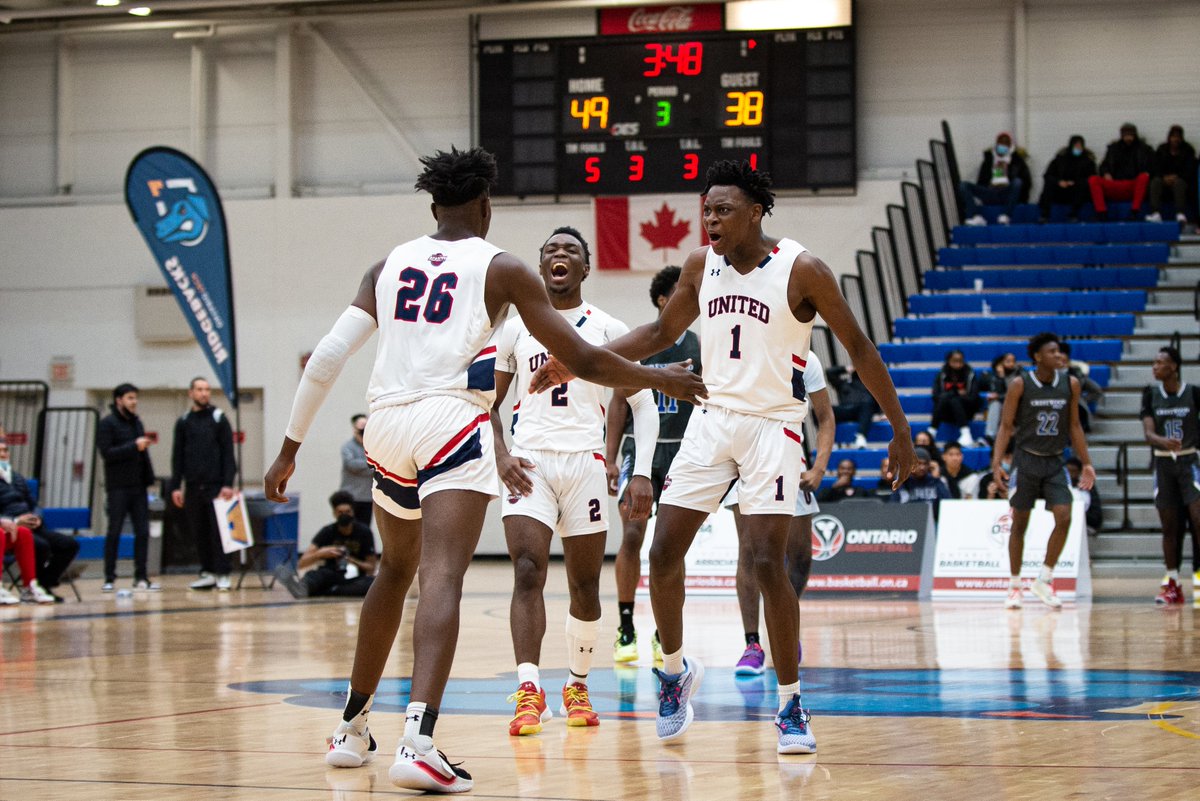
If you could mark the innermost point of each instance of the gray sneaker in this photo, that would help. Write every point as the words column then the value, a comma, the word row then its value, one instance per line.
column 143, row 585
column 206, row 582
column 291, row 582
column 675, row 699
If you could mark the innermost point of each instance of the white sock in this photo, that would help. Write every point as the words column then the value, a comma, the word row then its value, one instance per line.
column 786, row 691
column 412, row 719
column 1172, row 575
column 527, row 671
column 673, row 663
column 964, row 436
column 581, row 643
column 1046, row 576
column 1014, row 582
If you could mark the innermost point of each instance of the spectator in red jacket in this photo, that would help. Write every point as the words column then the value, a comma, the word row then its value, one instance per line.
column 1124, row 173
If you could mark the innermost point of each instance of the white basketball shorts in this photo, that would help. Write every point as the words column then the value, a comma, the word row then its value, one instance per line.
column 570, row 492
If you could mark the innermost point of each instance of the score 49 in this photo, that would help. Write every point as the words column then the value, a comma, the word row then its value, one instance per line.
column 744, row 109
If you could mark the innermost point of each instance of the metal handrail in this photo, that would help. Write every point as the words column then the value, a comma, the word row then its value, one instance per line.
column 1123, row 482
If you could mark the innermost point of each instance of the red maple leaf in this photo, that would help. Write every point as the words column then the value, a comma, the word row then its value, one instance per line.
column 665, row 233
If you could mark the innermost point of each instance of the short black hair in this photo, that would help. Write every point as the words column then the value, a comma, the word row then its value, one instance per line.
column 459, row 176
column 357, row 417
column 949, row 445
column 192, row 385
column 1173, row 355
column 997, row 361
column 123, row 389
column 339, row 498
column 1039, row 341
column 663, row 282
column 569, row 231
column 950, row 354
column 756, row 185
column 1065, row 347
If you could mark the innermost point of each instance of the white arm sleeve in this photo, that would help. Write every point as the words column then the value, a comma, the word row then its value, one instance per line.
column 645, row 431
column 348, row 334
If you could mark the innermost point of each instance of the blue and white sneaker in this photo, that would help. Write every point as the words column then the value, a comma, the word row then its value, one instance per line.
column 795, row 733
column 675, row 699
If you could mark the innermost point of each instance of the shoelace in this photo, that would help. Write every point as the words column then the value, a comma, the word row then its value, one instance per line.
column 751, row 652
column 527, row 703
column 796, row 716
column 669, row 693
column 577, row 698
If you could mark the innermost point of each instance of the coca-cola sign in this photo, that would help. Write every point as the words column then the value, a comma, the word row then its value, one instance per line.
column 661, row 19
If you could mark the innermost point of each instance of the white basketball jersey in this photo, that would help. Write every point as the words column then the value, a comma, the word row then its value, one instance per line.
column 754, row 348
column 434, row 329
column 569, row 417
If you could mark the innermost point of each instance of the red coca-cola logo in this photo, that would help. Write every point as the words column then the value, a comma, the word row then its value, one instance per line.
column 660, row 19
column 671, row 18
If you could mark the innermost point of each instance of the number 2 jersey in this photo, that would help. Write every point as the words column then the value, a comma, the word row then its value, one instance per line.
column 566, row 418
column 434, row 329
column 755, row 350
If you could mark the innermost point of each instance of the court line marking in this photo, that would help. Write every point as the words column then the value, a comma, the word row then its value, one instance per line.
column 1159, row 709
column 138, row 720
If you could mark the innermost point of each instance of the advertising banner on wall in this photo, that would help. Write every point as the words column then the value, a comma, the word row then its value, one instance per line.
column 972, row 551
column 178, row 212
column 858, row 547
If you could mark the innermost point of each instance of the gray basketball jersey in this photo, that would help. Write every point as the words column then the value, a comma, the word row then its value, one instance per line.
column 1044, row 415
column 1174, row 415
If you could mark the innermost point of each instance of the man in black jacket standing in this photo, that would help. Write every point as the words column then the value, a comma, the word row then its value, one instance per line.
column 122, row 442
column 202, row 468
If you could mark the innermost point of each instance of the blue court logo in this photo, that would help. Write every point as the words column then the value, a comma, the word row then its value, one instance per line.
column 630, row 693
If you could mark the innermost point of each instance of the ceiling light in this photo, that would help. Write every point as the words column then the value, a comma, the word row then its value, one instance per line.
column 140, row 11
column 108, row 3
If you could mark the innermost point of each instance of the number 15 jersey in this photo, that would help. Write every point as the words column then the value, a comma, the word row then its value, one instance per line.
column 754, row 349
column 434, row 329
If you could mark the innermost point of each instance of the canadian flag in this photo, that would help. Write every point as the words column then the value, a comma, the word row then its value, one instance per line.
column 647, row 232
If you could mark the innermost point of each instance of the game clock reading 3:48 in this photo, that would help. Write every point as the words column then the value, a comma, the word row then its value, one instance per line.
column 634, row 115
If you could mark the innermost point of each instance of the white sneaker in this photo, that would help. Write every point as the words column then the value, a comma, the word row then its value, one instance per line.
column 1003, row 219
column 34, row 594
column 147, row 586
column 860, row 442
column 420, row 766
column 976, row 221
column 1154, row 216
column 349, row 748
column 7, row 598
column 1045, row 593
column 223, row 583
column 1181, row 218
column 108, row 586
column 206, row 582
column 964, row 437
column 1013, row 601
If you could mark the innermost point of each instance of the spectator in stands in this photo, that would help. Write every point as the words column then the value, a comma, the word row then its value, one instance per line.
column 955, row 396
column 957, row 475
column 1003, row 179
column 21, row 539
column 202, row 469
column 1124, row 173
column 883, row 488
column 1092, row 505
column 1090, row 392
column 1066, row 179
column 843, row 488
column 988, row 488
column 356, row 473
column 346, row 551
column 921, row 485
column 923, row 439
column 994, row 385
column 855, row 402
column 123, row 445
column 53, row 551
column 1174, row 169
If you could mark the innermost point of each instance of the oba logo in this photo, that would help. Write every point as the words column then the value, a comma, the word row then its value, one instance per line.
column 1001, row 527
column 828, row 537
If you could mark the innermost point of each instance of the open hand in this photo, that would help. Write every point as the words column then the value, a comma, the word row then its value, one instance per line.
column 550, row 374
column 901, row 458
column 638, row 497
column 1087, row 477
column 678, row 381
column 512, row 473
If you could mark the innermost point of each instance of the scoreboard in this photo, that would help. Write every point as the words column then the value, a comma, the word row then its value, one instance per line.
column 638, row 114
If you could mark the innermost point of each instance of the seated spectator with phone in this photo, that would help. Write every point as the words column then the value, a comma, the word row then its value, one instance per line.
column 345, row 550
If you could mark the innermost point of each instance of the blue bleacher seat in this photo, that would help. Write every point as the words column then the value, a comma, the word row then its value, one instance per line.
column 982, row 353
column 1103, row 325
column 869, row 458
column 914, row 377
column 882, row 432
column 1059, row 232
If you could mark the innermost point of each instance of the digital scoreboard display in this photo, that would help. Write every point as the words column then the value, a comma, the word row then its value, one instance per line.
column 641, row 114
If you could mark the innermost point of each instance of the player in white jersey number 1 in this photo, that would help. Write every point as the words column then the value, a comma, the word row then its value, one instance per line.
column 435, row 301
column 556, row 481
column 756, row 297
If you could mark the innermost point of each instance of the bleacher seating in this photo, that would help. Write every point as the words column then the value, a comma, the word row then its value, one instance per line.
column 1040, row 302
column 869, row 458
column 882, row 432
column 1041, row 278
column 1054, row 254
column 1096, row 325
column 1088, row 350
column 922, row 377
column 1066, row 233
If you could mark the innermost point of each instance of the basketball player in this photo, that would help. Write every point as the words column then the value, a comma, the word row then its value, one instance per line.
column 1169, row 418
column 756, row 297
column 435, row 300
column 672, row 421
column 1042, row 405
column 556, row 481
column 799, row 545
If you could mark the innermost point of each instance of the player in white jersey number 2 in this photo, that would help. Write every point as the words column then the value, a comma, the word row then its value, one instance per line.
column 556, row 481
column 435, row 301
column 756, row 297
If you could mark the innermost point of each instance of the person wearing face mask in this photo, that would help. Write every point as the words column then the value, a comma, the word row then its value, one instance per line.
column 356, row 472
column 342, row 556
column 1124, row 173
column 1065, row 182
column 1003, row 179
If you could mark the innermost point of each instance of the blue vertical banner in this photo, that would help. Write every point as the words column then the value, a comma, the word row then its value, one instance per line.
column 176, row 207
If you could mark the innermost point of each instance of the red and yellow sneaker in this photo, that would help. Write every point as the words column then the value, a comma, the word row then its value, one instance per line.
column 577, row 707
column 1170, row 595
column 531, row 710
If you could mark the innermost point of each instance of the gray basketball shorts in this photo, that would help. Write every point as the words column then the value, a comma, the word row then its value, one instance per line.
column 1176, row 481
column 1034, row 476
